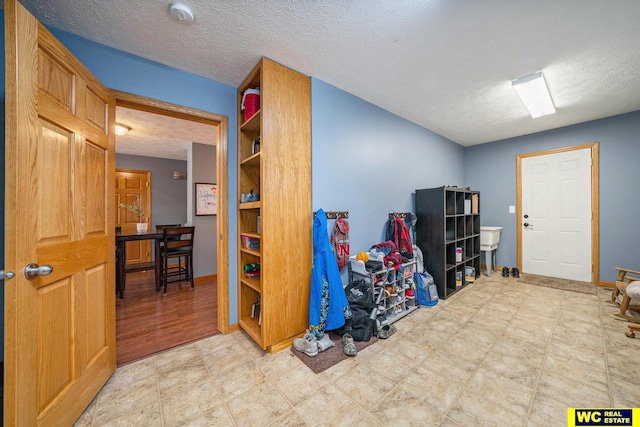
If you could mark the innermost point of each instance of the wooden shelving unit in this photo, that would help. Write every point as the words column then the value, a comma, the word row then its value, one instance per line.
column 273, row 308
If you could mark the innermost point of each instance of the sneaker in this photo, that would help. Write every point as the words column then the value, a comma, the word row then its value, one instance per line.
column 307, row 344
column 515, row 272
column 386, row 331
column 348, row 346
column 409, row 293
column 505, row 272
column 325, row 343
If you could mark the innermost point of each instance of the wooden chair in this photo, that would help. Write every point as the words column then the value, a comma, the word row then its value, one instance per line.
column 159, row 244
column 625, row 278
column 177, row 243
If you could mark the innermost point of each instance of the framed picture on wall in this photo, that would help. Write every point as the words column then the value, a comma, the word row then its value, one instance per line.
column 206, row 199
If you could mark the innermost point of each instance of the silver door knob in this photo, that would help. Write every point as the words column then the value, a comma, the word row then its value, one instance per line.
column 7, row 275
column 31, row 271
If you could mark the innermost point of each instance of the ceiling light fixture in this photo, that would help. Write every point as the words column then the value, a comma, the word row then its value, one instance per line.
column 181, row 13
column 534, row 93
column 121, row 129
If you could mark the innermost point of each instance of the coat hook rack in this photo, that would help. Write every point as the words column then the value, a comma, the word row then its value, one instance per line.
column 402, row 215
column 335, row 214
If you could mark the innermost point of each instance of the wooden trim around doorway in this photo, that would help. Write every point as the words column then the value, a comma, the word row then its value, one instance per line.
column 595, row 202
column 221, row 123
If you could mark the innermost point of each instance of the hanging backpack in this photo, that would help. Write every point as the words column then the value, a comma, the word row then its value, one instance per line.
column 340, row 242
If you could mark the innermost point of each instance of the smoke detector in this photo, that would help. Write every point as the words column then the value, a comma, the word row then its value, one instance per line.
column 181, row 13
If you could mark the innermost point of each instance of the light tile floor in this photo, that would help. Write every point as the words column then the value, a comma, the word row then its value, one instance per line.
column 498, row 353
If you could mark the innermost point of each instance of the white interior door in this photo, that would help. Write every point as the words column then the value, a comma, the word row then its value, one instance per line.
column 556, row 215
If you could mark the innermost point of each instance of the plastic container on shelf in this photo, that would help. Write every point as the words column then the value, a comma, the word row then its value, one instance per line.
column 250, row 242
column 250, row 102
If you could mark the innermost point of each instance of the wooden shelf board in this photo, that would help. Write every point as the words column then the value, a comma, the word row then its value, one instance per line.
column 253, row 124
column 251, row 327
column 250, row 251
column 253, row 160
column 249, row 205
column 252, row 283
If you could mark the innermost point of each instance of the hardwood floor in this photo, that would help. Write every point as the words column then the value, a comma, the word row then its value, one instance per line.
column 148, row 323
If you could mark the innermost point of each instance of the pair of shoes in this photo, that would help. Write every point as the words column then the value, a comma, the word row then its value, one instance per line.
column 386, row 331
column 348, row 346
column 515, row 272
column 325, row 343
column 307, row 344
column 505, row 272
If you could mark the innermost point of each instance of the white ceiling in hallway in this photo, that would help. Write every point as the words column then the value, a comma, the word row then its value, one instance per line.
column 155, row 135
column 445, row 65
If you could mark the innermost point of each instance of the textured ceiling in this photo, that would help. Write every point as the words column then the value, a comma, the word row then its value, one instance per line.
column 445, row 65
column 154, row 135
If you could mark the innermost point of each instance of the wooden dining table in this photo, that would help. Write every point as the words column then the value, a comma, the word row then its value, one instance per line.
column 121, row 258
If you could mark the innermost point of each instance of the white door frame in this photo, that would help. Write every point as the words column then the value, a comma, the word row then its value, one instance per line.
column 595, row 217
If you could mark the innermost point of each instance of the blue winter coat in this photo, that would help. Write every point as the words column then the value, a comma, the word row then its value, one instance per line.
column 325, row 268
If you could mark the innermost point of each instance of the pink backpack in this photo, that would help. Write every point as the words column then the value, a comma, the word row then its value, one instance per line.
column 340, row 241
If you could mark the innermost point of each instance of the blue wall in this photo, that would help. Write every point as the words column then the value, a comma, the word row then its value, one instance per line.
column 491, row 169
column 369, row 162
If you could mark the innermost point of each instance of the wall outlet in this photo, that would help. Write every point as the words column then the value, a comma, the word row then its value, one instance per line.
column 512, row 209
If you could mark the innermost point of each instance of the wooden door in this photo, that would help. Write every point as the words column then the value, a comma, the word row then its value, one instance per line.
column 60, row 327
column 555, row 216
column 129, row 185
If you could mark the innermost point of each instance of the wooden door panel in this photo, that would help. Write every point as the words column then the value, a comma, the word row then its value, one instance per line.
column 129, row 185
column 96, row 111
column 55, row 81
column 56, row 363
column 96, row 299
column 60, row 328
column 52, row 175
column 96, row 162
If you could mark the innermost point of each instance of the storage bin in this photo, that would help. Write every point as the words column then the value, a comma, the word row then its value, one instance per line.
column 250, row 242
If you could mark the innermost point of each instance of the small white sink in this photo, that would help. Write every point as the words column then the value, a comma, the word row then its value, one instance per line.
column 489, row 237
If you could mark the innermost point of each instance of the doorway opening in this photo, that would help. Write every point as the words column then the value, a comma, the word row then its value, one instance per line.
column 217, row 284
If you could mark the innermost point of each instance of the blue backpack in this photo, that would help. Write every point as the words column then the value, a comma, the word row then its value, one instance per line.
column 427, row 290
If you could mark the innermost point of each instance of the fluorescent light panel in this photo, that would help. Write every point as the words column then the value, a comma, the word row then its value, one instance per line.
column 534, row 94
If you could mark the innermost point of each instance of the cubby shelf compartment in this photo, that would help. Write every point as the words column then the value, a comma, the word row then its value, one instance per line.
column 448, row 219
